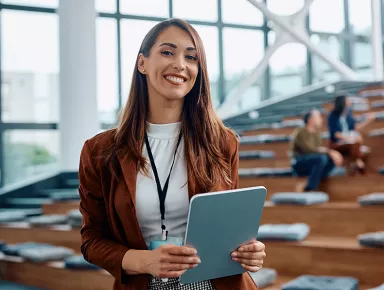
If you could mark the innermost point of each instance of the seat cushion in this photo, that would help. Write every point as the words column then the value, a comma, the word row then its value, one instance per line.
column 338, row 171
column 64, row 195
column 379, row 115
column 374, row 240
column 307, row 282
column 14, row 249
column 376, row 198
column 5, row 285
column 264, row 277
column 48, row 220
column 78, row 262
column 377, row 104
column 2, row 245
column 46, row 254
column 75, row 219
column 376, row 133
column 265, row 172
column 12, row 216
column 257, row 154
column 264, row 138
column 292, row 123
column 286, row 232
column 299, row 198
column 381, row 170
column 381, row 287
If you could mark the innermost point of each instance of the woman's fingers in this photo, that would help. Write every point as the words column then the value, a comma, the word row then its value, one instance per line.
column 252, row 247
column 179, row 267
column 249, row 262
column 251, row 268
column 249, row 255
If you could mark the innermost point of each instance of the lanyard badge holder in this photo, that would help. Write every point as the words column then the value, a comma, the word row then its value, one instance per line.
column 163, row 239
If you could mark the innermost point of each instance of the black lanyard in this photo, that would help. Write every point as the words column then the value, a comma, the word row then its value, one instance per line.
column 162, row 192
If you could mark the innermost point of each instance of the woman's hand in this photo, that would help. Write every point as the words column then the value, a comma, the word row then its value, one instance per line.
column 250, row 256
column 170, row 261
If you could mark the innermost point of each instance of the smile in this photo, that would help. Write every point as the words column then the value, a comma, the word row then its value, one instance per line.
column 175, row 79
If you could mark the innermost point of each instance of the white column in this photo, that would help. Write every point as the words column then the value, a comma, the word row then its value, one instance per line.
column 78, row 99
column 377, row 40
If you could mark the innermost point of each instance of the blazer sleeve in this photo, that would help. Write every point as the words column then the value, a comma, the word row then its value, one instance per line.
column 333, row 122
column 235, row 166
column 97, row 244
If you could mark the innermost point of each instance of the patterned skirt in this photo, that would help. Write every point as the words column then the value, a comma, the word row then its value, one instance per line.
column 174, row 284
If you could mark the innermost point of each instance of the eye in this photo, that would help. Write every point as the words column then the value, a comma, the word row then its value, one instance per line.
column 191, row 57
column 167, row 53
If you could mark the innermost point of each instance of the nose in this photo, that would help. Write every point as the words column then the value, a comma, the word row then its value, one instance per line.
column 179, row 63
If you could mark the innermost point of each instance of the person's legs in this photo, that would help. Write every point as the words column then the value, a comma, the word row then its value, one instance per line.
column 313, row 166
column 328, row 168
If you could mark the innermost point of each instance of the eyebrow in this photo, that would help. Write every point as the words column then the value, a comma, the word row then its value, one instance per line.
column 175, row 46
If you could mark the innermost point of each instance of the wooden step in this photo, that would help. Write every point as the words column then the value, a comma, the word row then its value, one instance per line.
column 281, row 280
column 62, row 235
column 53, row 275
column 276, row 163
column 333, row 256
column 339, row 188
column 337, row 219
column 60, row 207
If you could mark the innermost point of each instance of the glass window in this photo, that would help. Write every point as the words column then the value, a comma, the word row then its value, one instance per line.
column 363, row 59
column 107, row 71
column 282, row 7
column 28, row 153
column 132, row 35
column 243, row 50
column 30, row 66
column 322, row 71
column 288, row 73
column 327, row 16
column 241, row 12
column 360, row 17
column 108, row 6
column 36, row 3
column 157, row 8
column 197, row 10
column 209, row 36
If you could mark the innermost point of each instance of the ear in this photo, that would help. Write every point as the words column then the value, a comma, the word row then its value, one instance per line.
column 141, row 63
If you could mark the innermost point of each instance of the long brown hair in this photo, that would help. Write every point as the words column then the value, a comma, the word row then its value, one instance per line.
column 206, row 137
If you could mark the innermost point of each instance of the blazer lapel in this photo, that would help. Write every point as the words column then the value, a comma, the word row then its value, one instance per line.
column 129, row 171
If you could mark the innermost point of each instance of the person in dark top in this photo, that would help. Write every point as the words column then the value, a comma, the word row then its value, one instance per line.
column 309, row 157
column 344, row 133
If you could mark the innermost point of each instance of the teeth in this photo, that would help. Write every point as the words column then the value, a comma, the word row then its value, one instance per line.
column 175, row 79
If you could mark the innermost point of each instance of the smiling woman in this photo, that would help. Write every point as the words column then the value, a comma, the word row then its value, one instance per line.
column 130, row 204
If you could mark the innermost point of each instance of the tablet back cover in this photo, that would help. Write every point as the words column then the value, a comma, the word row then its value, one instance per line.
column 218, row 224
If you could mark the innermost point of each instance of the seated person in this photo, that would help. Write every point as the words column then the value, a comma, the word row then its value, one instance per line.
column 309, row 157
column 344, row 134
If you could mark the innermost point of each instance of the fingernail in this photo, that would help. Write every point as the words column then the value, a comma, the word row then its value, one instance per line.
column 241, row 249
column 234, row 254
column 199, row 261
column 194, row 266
column 235, row 259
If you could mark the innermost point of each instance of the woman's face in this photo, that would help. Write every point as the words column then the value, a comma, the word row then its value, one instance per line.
column 172, row 66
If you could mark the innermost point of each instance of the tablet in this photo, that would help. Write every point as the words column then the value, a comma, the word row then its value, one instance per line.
column 218, row 223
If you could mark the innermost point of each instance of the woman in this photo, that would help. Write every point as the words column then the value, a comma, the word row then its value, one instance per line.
column 344, row 133
column 169, row 119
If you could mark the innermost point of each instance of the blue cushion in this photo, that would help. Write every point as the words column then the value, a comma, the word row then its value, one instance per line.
column 12, row 216
column 338, row 171
column 46, row 254
column 379, row 115
column 264, row 277
column 5, row 285
column 287, row 232
column 2, row 245
column 48, row 220
column 14, row 249
column 376, row 198
column 307, row 282
column 257, row 154
column 264, row 138
column 381, row 170
column 65, row 195
column 376, row 133
column 299, row 198
column 78, row 262
column 375, row 240
column 265, row 172
column 75, row 219
column 292, row 123
column 377, row 104
column 381, row 287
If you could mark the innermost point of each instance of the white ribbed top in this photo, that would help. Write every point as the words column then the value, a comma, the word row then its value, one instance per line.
column 163, row 140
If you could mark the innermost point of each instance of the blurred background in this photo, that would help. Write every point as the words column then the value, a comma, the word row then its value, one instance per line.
column 66, row 69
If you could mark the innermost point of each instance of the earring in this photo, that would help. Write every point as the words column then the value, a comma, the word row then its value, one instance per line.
column 143, row 71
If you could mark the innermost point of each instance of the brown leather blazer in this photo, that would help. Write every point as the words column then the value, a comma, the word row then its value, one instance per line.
column 110, row 227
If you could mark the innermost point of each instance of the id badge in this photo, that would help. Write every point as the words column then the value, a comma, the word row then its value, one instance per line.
column 157, row 241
